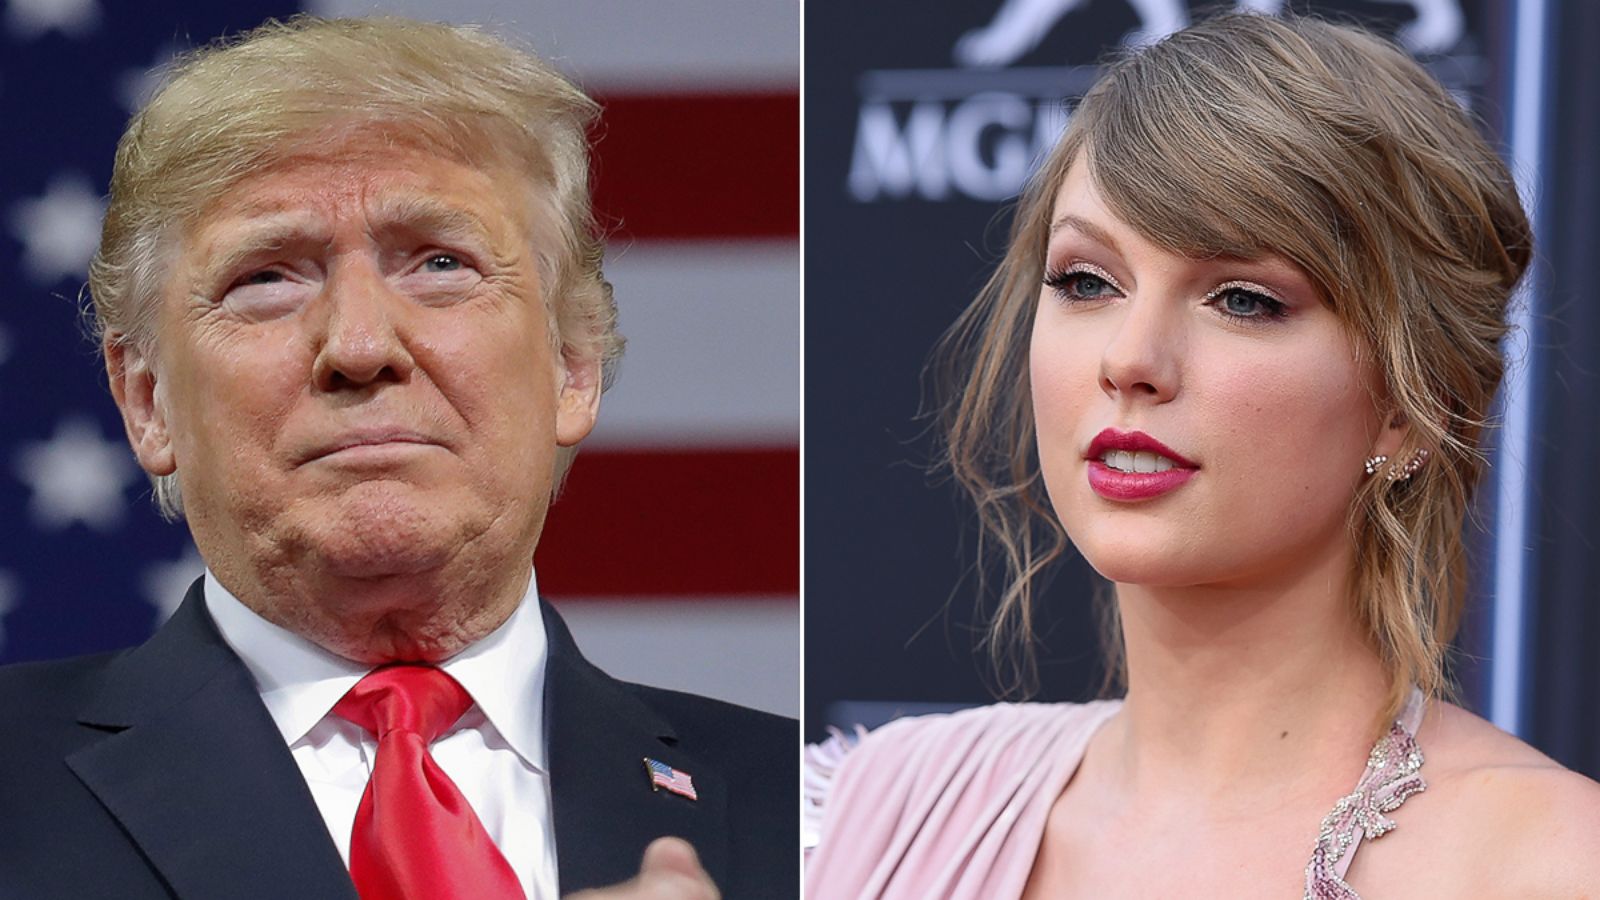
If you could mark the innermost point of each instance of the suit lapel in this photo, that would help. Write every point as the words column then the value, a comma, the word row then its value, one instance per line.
column 605, row 810
column 199, row 777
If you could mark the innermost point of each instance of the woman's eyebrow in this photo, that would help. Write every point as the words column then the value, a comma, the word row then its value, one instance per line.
column 1079, row 224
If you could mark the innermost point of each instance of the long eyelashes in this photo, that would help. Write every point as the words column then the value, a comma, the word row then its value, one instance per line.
column 1081, row 281
column 1244, row 301
column 1239, row 301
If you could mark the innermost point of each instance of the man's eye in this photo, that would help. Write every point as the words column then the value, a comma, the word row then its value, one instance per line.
column 443, row 262
column 265, row 276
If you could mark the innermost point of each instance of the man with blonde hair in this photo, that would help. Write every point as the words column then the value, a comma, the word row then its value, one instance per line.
column 350, row 296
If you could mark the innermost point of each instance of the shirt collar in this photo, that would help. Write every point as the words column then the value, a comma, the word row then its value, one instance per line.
column 300, row 682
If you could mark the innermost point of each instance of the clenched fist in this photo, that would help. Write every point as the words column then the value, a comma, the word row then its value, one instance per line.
column 670, row 871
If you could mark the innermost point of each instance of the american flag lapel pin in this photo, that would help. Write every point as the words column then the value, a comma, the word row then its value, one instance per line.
column 676, row 781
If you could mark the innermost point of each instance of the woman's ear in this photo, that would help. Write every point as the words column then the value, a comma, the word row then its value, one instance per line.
column 1391, row 439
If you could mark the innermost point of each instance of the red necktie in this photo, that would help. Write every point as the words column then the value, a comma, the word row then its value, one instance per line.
column 416, row 837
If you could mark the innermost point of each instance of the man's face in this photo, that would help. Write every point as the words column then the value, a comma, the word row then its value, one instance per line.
column 355, row 379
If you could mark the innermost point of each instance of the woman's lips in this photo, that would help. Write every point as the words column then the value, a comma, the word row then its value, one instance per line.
column 1143, row 466
column 1114, row 484
column 1133, row 442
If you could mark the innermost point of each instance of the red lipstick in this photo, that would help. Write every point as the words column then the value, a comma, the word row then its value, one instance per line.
column 1116, row 484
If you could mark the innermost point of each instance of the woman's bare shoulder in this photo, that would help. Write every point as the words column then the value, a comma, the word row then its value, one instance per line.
column 1522, row 821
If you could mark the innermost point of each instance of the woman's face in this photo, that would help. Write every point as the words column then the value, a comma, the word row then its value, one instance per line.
column 1200, row 421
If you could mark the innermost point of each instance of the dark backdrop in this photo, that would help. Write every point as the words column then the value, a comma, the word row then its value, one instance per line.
column 911, row 152
column 1564, row 677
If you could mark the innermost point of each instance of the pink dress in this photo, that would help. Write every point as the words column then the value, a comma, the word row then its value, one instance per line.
column 954, row 806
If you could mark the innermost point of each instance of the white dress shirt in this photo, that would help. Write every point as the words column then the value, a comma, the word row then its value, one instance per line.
column 495, row 754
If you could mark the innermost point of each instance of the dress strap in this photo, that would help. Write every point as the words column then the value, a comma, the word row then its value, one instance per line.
column 1392, row 775
column 1410, row 717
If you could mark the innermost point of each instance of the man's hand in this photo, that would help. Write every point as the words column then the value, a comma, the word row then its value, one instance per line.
column 670, row 871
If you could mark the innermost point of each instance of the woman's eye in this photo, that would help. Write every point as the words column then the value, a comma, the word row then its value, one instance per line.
column 1246, row 304
column 1077, row 284
column 1086, row 285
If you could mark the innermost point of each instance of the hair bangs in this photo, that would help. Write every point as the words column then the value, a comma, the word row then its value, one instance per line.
column 1204, row 169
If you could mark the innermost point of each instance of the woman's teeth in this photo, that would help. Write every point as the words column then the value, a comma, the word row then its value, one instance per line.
column 1141, row 461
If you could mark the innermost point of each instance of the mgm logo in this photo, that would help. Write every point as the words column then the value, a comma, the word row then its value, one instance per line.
column 975, row 131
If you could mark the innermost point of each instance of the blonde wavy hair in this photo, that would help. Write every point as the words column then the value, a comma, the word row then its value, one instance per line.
column 1243, row 136
column 231, row 109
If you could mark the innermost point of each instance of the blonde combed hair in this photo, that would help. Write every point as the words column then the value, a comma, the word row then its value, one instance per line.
column 1243, row 136
column 232, row 109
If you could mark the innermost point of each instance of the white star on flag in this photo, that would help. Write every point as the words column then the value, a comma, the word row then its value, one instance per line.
column 76, row 476
column 8, row 602
column 136, row 86
column 59, row 230
column 29, row 19
column 165, row 583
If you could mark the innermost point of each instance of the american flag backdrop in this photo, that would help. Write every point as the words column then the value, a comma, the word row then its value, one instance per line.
column 674, row 550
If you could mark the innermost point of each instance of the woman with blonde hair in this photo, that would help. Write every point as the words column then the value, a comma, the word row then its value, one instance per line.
column 1240, row 354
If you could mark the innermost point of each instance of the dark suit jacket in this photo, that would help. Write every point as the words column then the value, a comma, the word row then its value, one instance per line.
column 157, row 773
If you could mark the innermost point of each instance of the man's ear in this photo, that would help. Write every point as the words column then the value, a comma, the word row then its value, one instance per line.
column 578, row 403
column 133, row 384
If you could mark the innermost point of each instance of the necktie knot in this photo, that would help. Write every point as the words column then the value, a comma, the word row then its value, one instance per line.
column 427, row 842
column 419, row 699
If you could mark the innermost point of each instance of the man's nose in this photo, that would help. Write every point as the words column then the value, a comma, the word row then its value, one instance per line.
column 1141, row 359
column 363, row 339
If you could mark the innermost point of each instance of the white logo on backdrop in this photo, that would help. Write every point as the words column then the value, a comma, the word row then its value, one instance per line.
column 1019, row 26
column 1436, row 26
column 975, row 132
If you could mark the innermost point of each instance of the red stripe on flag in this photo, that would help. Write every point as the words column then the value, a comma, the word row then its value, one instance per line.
column 699, row 166
column 675, row 523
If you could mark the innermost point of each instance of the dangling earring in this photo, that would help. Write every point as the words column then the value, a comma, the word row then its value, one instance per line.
column 1412, row 466
column 1398, row 473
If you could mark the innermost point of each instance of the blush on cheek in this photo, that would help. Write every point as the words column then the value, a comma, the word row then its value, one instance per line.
column 1062, row 394
column 1311, row 417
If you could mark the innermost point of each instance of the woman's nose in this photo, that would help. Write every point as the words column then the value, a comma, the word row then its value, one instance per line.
column 1140, row 361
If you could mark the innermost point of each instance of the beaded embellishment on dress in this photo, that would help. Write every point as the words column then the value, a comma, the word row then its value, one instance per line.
column 1393, row 774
